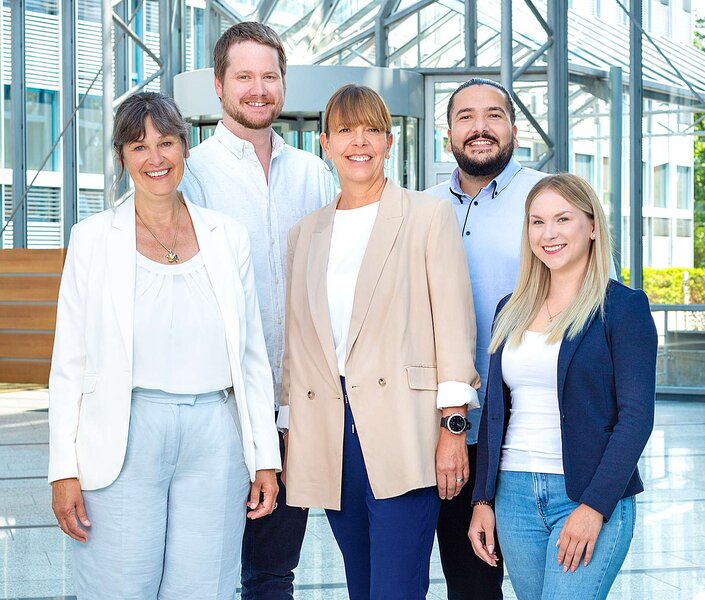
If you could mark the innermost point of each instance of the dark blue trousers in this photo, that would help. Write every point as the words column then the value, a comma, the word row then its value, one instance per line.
column 386, row 544
column 271, row 548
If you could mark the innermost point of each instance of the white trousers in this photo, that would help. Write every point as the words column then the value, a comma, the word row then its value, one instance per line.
column 170, row 526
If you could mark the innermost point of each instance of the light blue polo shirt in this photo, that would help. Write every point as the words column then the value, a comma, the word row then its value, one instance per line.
column 491, row 225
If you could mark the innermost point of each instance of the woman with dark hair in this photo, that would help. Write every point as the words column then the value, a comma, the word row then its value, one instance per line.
column 570, row 405
column 160, row 393
column 378, row 363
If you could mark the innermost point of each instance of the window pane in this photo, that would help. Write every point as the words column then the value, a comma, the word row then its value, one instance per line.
column 90, row 135
column 661, row 186
column 684, row 228
column 584, row 166
column 684, row 193
column 661, row 227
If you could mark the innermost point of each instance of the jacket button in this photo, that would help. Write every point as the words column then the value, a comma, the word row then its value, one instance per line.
column 382, row 381
column 311, row 395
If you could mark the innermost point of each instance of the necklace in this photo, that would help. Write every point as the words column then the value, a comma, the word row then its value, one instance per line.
column 171, row 255
column 550, row 316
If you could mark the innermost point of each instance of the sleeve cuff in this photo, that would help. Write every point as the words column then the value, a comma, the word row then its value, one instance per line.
column 283, row 418
column 454, row 393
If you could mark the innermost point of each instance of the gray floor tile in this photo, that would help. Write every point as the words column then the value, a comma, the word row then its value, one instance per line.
column 666, row 560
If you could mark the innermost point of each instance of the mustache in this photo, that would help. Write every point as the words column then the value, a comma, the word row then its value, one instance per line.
column 481, row 136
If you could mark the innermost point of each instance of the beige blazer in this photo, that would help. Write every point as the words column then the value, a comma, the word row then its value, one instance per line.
column 412, row 326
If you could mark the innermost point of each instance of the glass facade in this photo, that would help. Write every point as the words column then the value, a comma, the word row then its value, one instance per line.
column 430, row 38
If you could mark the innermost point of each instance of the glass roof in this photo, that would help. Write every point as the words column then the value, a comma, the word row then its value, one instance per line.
column 342, row 32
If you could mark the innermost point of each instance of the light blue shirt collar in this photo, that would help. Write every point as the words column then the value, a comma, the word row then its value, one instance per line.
column 493, row 188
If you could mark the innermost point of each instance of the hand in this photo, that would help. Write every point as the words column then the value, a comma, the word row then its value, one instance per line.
column 67, row 504
column 451, row 464
column 265, row 488
column 481, row 533
column 578, row 535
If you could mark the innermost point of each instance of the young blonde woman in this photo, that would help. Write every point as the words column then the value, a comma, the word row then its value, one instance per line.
column 570, row 406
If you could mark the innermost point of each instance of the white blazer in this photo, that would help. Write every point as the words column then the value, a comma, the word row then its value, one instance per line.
column 90, row 384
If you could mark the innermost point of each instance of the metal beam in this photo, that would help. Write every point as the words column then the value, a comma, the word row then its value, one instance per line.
column 558, row 83
column 381, row 48
column 616, row 91
column 636, row 177
column 19, row 124
column 69, row 97
column 470, row 32
column 108, row 94
column 507, row 45
column 265, row 10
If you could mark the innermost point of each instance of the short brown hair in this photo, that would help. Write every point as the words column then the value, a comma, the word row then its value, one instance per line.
column 353, row 105
column 248, row 31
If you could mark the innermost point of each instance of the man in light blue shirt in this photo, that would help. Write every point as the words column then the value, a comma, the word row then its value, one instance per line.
column 488, row 190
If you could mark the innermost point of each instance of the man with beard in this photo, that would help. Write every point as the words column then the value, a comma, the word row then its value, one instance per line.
column 488, row 190
column 247, row 171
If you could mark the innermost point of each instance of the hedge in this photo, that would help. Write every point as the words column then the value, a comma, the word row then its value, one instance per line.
column 665, row 286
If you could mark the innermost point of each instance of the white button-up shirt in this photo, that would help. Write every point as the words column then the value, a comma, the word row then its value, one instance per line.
column 225, row 174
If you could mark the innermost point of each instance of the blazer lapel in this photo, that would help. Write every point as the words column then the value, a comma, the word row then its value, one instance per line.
column 317, row 283
column 218, row 260
column 565, row 356
column 122, row 248
column 384, row 233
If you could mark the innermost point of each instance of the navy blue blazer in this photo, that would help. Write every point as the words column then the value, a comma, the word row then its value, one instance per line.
column 606, row 394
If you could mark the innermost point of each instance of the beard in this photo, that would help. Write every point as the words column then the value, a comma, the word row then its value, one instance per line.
column 236, row 112
column 485, row 166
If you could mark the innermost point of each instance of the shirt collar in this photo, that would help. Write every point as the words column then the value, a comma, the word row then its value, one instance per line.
column 238, row 146
column 494, row 187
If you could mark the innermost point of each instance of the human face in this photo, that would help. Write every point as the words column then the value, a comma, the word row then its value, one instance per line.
column 358, row 152
column 560, row 234
column 155, row 163
column 481, row 135
column 252, row 91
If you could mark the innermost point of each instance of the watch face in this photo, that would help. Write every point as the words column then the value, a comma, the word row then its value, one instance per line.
column 456, row 423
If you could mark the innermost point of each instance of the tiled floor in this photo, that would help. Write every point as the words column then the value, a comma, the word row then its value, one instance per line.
column 666, row 561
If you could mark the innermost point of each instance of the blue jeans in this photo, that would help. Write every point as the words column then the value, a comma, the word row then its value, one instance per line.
column 531, row 509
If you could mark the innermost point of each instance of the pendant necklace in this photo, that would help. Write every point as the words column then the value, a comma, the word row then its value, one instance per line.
column 550, row 316
column 171, row 255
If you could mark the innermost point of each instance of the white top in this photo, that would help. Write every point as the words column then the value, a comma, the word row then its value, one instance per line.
column 351, row 233
column 225, row 174
column 533, row 439
column 179, row 333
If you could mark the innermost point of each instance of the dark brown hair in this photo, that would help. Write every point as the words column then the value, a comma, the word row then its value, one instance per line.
column 131, row 117
column 249, row 31
column 511, row 111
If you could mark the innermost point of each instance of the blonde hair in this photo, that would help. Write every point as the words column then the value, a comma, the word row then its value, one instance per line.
column 354, row 105
column 534, row 277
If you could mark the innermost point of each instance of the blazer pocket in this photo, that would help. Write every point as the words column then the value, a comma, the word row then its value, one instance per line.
column 89, row 382
column 422, row 378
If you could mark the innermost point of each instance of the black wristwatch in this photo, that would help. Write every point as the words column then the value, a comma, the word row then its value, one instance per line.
column 456, row 423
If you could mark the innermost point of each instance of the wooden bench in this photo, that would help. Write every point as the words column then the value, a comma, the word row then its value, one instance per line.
column 29, row 287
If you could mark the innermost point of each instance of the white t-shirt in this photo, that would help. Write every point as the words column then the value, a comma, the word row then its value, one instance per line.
column 179, row 333
column 351, row 233
column 533, row 439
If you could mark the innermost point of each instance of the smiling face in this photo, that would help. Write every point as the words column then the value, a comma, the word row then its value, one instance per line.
column 357, row 151
column 481, row 135
column 560, row 234
column 155, row 163
column 252, row 90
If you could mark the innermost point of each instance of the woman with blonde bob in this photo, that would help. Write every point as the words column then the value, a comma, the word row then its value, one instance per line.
column 570, row 406
column 378, row 363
